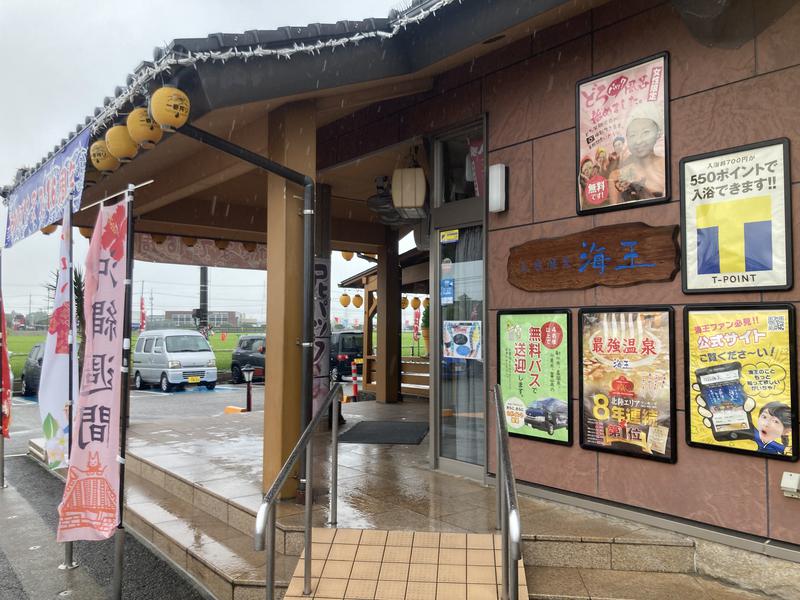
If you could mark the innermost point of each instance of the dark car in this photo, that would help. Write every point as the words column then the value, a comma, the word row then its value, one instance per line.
column 249, row 351
column 32, row 371
column 548, row 415
column 346, row 346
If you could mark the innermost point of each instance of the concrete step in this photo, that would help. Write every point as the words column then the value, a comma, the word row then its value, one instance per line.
column 651, row 550
column 236, row 508
column 217, row 556
column 559, row 583
column 36, row 449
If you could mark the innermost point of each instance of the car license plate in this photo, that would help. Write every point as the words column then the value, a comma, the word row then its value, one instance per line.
column 359, row 361
column 194, row 379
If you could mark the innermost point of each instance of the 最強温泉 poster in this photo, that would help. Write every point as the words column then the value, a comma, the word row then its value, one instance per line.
column 736, row 219
column 534, row 373
column 623, row 136
column 740, row 379
column 627, row 392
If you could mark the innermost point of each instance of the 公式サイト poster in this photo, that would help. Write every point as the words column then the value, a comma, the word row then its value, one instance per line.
column 740, row 379
column 736, row 219
column 534, row 373
column 627, row 393
column 623, row 136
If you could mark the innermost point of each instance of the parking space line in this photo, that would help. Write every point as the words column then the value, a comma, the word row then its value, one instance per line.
column 150, row 392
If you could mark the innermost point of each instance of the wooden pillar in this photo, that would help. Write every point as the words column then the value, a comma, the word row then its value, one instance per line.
column 292, row 142
column 388, row 360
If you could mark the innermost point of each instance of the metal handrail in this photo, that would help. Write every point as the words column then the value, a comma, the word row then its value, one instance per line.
column 264, row 537
column 508, row 519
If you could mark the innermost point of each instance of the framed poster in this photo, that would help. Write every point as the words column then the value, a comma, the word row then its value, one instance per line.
column 533, row 369
column 622, row 136
column 736, row 219
column 741, row 393
column 462, row 339
column 627, row 396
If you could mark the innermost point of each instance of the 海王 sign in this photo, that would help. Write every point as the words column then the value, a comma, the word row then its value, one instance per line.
column 626, row 385
column 533, row 362
column 740, row 379
column 736, row 219
column 614, row 255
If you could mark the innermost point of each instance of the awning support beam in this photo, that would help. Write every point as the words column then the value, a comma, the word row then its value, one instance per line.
column 307, row 182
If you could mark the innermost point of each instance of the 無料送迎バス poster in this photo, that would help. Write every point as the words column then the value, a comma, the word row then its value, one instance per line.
column 534, row 373
column 736, row 219
column 623, row 136
column 741, row 380
column 627, row 392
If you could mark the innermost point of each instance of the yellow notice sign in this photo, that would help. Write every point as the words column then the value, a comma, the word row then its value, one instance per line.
column 449, row 236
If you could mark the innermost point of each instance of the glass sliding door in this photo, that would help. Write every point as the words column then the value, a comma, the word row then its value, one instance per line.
column 462, row 423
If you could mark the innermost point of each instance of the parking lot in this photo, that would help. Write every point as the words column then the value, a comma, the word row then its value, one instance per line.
column 146, row 406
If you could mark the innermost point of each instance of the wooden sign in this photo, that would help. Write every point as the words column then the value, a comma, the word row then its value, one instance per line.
column 614, row 256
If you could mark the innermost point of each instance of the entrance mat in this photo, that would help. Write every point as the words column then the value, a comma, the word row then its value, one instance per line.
column 385, row 432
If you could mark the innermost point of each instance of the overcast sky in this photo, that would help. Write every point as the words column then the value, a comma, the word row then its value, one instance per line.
column 60, row 58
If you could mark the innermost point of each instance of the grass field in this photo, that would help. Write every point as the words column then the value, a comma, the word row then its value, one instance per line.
column 20, row 344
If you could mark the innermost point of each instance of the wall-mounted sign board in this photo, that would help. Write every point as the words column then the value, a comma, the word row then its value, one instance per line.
column 613, row 255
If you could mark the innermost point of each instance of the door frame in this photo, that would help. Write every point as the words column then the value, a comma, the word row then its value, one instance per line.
column 469, row 212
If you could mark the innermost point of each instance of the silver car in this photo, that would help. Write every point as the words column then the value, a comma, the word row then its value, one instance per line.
column 172, row 358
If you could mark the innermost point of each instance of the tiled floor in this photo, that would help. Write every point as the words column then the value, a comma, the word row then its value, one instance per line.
column 356, row 564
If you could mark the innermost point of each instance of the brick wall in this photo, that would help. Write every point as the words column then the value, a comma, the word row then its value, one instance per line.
column 719, row 97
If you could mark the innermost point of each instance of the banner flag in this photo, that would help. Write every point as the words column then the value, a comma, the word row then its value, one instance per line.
column 54, row 382
column 5, row 373
column 89, row 509
column 40, row 200
column 142, row 315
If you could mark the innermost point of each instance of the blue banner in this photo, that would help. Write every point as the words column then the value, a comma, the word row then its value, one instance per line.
column 39, row 200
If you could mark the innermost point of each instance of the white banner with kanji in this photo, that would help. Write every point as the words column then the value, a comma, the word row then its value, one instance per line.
column 54, row 382
column 90, row 507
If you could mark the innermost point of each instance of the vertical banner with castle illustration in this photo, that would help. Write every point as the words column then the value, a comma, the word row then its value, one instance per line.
column 736, row 217
column 89, row 509
column 533, row 369
column 741, row 379
column 627, row 403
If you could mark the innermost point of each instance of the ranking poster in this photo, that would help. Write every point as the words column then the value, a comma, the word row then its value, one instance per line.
column 534, row 373
column 736, row 219
column 622, row 138
column 740, row 379
column 627, row 392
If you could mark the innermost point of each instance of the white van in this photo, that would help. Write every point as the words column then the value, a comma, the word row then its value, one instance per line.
column 173, row 357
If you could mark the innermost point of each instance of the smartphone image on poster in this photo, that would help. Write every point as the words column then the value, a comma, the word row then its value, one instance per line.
column 724, row 396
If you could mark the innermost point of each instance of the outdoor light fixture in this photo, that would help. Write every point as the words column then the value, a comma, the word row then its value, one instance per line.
column 86, row 232
column 415, row 303
column 344, row 300
column 347, row 255
column 247, row 373
column 48, row 229
column 120, row 144
column 221, row 244
column 358, row 300
column 169, row 107
column 249, row 246
column 408, row 192
column 189, row 242
column 158, row 238
column 102, row 159
column 498, row 187
column 404, row 303
column 142, row 129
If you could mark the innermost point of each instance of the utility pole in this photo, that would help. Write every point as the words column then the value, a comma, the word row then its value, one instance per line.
column 203, row 316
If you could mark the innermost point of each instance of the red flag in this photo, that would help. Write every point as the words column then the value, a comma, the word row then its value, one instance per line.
column 142, row 315
column 5, row 373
